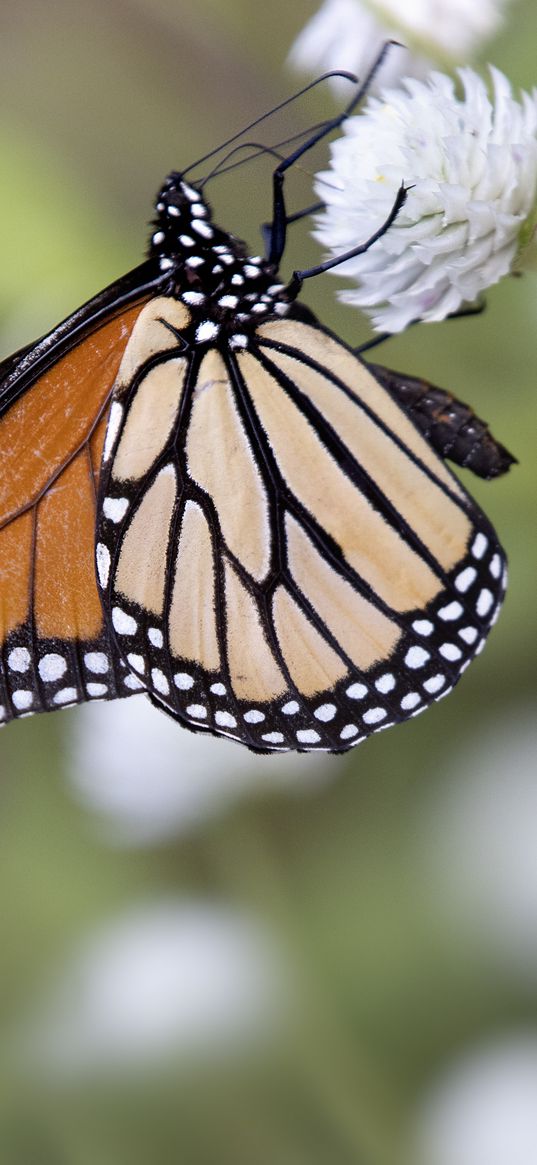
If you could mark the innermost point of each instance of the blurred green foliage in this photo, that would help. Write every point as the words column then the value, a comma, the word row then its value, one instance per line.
column 97, row 102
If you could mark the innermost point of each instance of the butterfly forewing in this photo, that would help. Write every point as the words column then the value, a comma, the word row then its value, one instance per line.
column 55, row 648
column 282, row 556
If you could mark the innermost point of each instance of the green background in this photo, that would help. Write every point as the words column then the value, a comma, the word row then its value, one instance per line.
column 393, row 976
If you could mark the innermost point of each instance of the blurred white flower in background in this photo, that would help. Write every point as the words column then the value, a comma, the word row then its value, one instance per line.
column 480, row 842
column 348, row 34
column 150, row 780
column 484, row 1110
column 169, row 978
column 470, row 216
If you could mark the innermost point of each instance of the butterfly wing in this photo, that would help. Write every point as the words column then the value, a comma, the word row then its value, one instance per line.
column 284, row 558
column 54, row 401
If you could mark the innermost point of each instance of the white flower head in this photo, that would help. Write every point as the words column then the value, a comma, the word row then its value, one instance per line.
column 347, row 34
column 471, row 165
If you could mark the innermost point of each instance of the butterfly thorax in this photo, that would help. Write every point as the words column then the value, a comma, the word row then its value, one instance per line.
column 209, row 269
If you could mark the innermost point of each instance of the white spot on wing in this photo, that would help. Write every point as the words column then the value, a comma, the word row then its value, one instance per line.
column 374, row 715
column 307, row 736
column 450, row 651
column 96, row 661
column 434, row 684
column 66, row 696
column 197, row 711
column 480, row 545
column 416, row 657
column 22, row 699
column 484, row 602
column 19, row 659
column 114, row 421
column 183, row 681
column 115, row 508
column 225, row 720
column 102, row 555
column 465, row 579
column 52, row 667
column 325, row 712
column 124, row 624
column 155, row 636
column 254, row 716
column 160, row 682
column 357, row 691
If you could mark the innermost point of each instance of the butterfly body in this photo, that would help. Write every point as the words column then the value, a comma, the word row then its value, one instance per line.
column 237, row 517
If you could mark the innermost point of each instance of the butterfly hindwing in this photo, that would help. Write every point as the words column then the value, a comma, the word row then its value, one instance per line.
column 283, row 558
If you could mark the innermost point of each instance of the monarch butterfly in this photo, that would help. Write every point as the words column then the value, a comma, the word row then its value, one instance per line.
column 209, row 497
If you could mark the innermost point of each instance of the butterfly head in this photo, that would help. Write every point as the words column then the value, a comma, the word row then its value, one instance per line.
column 209, row 268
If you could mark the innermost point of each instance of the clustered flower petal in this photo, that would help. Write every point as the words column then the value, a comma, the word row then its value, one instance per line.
column 347, row 34
column 471, row 164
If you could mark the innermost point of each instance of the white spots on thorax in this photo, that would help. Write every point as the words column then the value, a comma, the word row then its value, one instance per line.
column 96, row 662
column 166, row 264
column 228, row 301
column 158, row 238
column 237, row 280
column 155, row 636
column 203, row 229
column 189, row 192
column 102, row 558
column 195, row 298
column 194, row 261
column 114, row 421
column 52, row 667
column 198, row 210
column 250, row 271
column 186, row 241
column 19, row 659
column 173, row 211
column 123, row 623
column 208, row 330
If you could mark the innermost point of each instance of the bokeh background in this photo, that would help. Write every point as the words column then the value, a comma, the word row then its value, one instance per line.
column 211, row 957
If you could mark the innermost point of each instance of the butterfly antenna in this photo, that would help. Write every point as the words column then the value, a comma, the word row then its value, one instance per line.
column 276, row 109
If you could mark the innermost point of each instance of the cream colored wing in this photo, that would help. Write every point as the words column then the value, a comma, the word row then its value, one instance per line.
column 284, row 558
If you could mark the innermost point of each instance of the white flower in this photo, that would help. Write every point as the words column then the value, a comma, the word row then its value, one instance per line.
column 484, row 1110
column 469, row 218
column 150, row 780
column 171, row 978
column 347, row 34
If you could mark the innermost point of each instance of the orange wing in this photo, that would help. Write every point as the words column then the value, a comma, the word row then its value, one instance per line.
column 54, row 647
